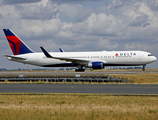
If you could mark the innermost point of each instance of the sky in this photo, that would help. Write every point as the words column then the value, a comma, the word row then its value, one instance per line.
column 80, row 25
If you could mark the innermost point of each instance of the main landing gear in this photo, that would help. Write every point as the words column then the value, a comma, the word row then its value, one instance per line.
column 143, row 69
column 80, row 68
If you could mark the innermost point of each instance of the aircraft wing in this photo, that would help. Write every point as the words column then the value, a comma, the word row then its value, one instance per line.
column 14, row 57
column 73, row 60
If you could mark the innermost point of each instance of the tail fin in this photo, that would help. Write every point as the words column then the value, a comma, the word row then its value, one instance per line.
column 17, row 46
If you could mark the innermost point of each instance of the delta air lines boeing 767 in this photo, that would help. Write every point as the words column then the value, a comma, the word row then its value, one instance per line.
column 81, row 60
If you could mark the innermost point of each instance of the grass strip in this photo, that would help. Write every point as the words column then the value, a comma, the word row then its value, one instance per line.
column 77, row 106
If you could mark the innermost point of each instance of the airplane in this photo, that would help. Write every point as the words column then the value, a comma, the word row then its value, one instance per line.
column 81, row 60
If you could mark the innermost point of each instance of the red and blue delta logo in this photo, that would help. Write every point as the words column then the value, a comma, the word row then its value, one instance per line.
column 14, row 43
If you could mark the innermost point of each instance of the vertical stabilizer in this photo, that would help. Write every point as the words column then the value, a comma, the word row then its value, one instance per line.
column 17, row 46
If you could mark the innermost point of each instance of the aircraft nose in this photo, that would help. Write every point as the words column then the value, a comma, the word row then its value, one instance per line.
column 154, row 58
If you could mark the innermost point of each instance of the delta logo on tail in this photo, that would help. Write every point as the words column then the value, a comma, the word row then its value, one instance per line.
column 17, row 46
column 14, row 43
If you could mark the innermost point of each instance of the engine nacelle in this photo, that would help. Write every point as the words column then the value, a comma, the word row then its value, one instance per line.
column 95, row 65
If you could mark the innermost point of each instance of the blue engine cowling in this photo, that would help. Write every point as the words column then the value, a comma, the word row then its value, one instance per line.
column 96, row 65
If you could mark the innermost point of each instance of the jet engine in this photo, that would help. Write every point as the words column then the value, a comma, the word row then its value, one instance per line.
column 95, row 65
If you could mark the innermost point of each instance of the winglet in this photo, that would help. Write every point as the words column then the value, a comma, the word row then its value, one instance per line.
column 46, row 53
column 61, row 50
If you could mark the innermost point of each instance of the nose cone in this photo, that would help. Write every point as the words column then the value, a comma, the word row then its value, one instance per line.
column 153, row 59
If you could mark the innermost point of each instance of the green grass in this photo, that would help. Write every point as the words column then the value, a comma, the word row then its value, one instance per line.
column 78, row 107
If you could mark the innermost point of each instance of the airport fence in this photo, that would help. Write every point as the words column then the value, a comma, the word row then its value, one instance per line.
column 77, row 78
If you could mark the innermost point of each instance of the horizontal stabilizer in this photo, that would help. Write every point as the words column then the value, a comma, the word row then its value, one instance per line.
column 14, row 57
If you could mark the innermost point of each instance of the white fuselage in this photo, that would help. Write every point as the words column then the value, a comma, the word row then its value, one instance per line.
column 108, row 58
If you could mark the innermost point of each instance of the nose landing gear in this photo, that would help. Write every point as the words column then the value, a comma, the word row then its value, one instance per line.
column 143, row 69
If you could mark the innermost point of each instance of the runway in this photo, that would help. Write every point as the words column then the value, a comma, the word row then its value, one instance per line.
column 79, row 88
column 74, row 73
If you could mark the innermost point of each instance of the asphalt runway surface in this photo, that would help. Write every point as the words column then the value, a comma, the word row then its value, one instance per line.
column 79, row 88
column 74, row 73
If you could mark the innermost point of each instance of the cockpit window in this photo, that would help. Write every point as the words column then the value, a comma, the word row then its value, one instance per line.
column 150, row 55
